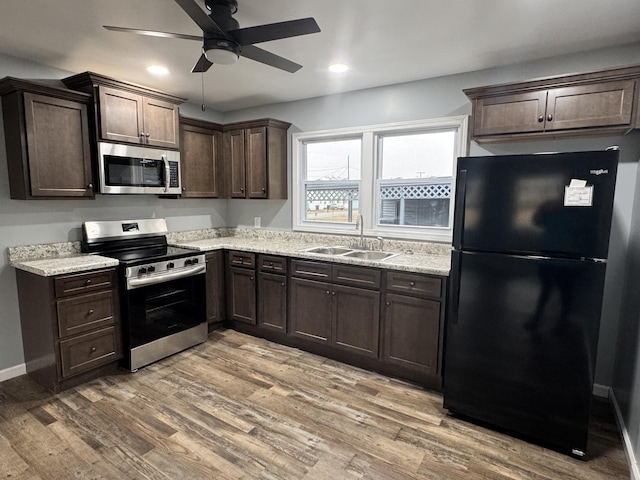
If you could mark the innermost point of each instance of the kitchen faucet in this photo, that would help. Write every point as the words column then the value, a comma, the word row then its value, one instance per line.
column 360, row 225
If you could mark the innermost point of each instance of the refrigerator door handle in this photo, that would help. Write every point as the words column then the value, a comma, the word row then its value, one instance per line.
column 458, row 220
column 454, row 296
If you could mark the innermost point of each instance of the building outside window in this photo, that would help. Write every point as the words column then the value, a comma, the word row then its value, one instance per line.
column 399, row 177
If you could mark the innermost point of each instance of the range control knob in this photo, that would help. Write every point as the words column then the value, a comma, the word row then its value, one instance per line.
column 187, row 262
column 194, row 261
column 151, row 269
column 170, row 265
column 142, row 270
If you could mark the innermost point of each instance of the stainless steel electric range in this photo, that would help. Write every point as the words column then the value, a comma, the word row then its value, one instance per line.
column 162, row 288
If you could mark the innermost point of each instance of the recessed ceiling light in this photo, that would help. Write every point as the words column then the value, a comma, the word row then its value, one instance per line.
column 158, row 70
column 338, row 67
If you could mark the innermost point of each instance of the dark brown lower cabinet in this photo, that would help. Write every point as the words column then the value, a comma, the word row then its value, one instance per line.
column 311, row 310
column 70, row 326
column 241, row 299
column 341, row 316
column 215, row 288
column 356, row 319
column 272, row 301
column 411, row 332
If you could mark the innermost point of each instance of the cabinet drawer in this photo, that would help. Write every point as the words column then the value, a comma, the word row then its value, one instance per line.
column 414, row 284
column 272, row 264
column 84, row 282
column 242, row 259
column 86, row 312
column 356, row 276
column 313, row 270
column 90, row 350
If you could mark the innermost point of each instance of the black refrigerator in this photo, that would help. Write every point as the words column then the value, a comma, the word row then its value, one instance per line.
column 530, row 242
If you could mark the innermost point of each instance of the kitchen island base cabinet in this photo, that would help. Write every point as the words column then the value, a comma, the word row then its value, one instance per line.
column 70, row 326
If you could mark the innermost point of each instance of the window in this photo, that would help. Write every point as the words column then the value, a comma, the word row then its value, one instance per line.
column 399, row 177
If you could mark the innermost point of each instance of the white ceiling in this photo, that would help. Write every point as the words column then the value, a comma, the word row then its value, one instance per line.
column 385, row 42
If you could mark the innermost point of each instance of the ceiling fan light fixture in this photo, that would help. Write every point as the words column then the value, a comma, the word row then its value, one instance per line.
column 221, row 56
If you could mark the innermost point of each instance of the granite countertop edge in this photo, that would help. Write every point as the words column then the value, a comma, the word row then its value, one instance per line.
column 59, row 259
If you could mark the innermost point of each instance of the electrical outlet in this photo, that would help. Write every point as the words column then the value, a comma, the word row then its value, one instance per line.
column 257, row 222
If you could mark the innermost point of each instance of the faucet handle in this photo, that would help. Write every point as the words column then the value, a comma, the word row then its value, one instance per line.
column 381, row 243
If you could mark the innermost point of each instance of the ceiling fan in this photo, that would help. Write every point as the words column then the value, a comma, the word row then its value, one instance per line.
column 222, row 39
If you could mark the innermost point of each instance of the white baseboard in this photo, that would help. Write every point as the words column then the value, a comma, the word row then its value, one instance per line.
column 634, row 469
column 13, row 372
column 600, row 390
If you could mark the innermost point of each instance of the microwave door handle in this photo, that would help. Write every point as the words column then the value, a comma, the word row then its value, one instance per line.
column 167, row 173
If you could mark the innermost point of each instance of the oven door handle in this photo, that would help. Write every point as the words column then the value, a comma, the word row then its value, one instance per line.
column 165, row 277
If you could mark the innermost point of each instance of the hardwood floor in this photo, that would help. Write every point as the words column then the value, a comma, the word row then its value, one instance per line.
column 239, row 407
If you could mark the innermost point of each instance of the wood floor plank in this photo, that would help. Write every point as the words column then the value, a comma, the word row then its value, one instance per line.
column 242, row 408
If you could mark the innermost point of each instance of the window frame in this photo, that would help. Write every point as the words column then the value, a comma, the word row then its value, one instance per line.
column 369, row 184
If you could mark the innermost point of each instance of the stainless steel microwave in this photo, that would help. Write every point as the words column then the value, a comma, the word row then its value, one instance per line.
column 128, row 169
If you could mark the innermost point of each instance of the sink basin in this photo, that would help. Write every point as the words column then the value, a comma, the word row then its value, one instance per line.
column 370, row 255
column 329, row 250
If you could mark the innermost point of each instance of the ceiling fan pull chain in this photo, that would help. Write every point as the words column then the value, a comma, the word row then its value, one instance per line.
column 203, row 107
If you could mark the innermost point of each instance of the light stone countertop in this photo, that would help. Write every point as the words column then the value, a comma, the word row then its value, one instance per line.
column 63, row 264
column 64, row 258
column 417, row 262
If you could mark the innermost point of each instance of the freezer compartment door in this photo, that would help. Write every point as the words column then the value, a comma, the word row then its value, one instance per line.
column 535, row 203
column 520, row 345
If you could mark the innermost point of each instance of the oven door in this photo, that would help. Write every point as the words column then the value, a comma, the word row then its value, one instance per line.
column 163, row 319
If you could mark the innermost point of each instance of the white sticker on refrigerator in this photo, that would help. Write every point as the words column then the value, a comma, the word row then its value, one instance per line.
column 578, row 194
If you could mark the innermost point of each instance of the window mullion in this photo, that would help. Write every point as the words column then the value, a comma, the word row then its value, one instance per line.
column 367, row 182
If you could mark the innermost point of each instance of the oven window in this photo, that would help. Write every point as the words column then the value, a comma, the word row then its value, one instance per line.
column 160, row 310
column 133, row 172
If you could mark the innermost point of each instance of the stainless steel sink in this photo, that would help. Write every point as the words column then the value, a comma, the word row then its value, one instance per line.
column 370, row 255
column 329, row 250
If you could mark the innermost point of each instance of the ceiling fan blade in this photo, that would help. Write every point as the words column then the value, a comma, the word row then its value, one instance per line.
column 153, row 33
column 274, row 31
column 198, row 15
column 262, row 56
column 202, row 65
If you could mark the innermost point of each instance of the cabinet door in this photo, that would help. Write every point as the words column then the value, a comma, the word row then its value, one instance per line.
column 518, row 113
column 57, row 147
column 272, row 301
column 356, row 320
column 215, row 288
column 597, row 105
column 120, row 116
column 234, row 159
column 160, row 123
column 242, row 295
column 411, row 328
column 311, row 309
column 199, row 162
column 256, row 157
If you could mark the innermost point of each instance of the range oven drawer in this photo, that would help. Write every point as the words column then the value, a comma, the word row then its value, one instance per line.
column 90, row 350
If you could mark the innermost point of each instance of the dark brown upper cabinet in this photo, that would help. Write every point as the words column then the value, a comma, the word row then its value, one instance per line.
column 131, row 113
column 590, row 104
column 199, row 158
column 255, row 155
column 47, row 141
